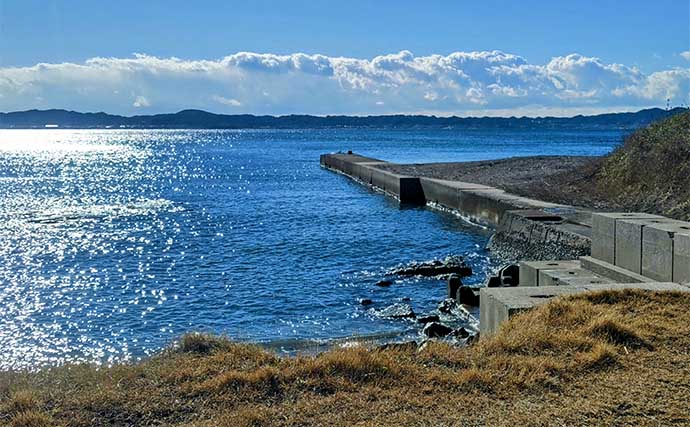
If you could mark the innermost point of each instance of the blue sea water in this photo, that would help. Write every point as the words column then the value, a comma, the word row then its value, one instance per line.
column 114, row 242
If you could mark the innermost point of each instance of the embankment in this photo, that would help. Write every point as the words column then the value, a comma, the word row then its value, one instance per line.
column 609, row 358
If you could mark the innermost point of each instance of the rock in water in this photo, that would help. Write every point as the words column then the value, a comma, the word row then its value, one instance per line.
column 384, row 283
column 454, row 311
column 436, row 330
column 450, row 265
column 397, row 311
column 447, row 306
column 366, row 301
column 428, row 319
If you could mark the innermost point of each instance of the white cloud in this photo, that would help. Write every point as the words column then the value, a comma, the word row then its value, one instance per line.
column 226, row 101
column 141, row 102
column 458, row 83
column 685, row 54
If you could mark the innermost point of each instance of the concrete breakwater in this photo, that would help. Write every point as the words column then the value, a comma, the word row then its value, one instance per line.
column 552, row 242
column 524, row 228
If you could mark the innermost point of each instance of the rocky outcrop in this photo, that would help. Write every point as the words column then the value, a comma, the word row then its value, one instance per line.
column 449, row 265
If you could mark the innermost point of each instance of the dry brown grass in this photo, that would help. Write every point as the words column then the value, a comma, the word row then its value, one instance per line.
column 611, row 358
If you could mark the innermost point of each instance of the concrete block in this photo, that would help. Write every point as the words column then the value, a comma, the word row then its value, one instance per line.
column 681, row 258
column 410, row 191
column 658, row 249
column 569, row 277
column 499, row 304
column 529, row 270
column 485, row 206
column 604, row 232
column 613, row 272
column 437, row 191
column 628, row 243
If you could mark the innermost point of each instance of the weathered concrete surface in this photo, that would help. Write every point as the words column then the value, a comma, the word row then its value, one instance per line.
column 604, row 232
column 681, row 258
column 547, row 234
column 628, row 241
column 658, row 249
column 447, row 193
column 530, row 270
column 573, row 276
column 499, row 304
column 613, row 272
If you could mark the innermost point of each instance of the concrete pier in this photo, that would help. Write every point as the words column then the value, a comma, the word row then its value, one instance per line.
column 628, row 249
column 483, row 204
column 407, row 189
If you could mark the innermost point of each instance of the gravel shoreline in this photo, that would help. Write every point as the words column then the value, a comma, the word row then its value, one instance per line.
column 557, row 179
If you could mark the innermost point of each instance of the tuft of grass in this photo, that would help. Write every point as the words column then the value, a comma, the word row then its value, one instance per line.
column 200, row 343
column 612, row 357
column 31, row 418
column 614, row 332
column 23, row 407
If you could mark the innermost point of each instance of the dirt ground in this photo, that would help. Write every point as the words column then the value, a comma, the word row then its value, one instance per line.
column 559, row 179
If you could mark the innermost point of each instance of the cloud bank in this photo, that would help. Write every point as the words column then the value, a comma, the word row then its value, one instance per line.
column 488, row 82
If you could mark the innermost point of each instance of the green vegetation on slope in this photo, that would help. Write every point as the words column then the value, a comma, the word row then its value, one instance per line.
column 605, row 358
column 651, row 170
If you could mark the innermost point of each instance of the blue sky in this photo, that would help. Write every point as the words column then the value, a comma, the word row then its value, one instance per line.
column 458, row 57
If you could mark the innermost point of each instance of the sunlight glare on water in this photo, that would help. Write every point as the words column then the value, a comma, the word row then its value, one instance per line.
column 114, row 242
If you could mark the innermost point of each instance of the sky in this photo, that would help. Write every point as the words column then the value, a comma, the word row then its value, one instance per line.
column 530, row 57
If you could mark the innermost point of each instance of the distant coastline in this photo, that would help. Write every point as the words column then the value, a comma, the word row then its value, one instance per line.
column 198, row 119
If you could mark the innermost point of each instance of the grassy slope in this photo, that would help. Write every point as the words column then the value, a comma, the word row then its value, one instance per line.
column 606, row 358
column 651, row 170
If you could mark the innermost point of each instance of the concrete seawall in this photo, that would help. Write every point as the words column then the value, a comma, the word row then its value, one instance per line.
column 525, row 228
column 552, row 242
column 407, row 189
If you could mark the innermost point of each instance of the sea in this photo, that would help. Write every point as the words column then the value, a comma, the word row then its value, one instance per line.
column 114, row 243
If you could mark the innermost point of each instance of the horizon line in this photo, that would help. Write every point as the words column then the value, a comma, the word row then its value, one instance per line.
column 403, row 114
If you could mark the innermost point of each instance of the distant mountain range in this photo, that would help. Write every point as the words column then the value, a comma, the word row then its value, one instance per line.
column 197, row 119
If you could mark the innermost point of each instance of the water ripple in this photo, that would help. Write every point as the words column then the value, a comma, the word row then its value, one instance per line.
column 112, row 243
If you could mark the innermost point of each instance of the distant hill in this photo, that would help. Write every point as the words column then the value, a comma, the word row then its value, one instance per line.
column 197, row 119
